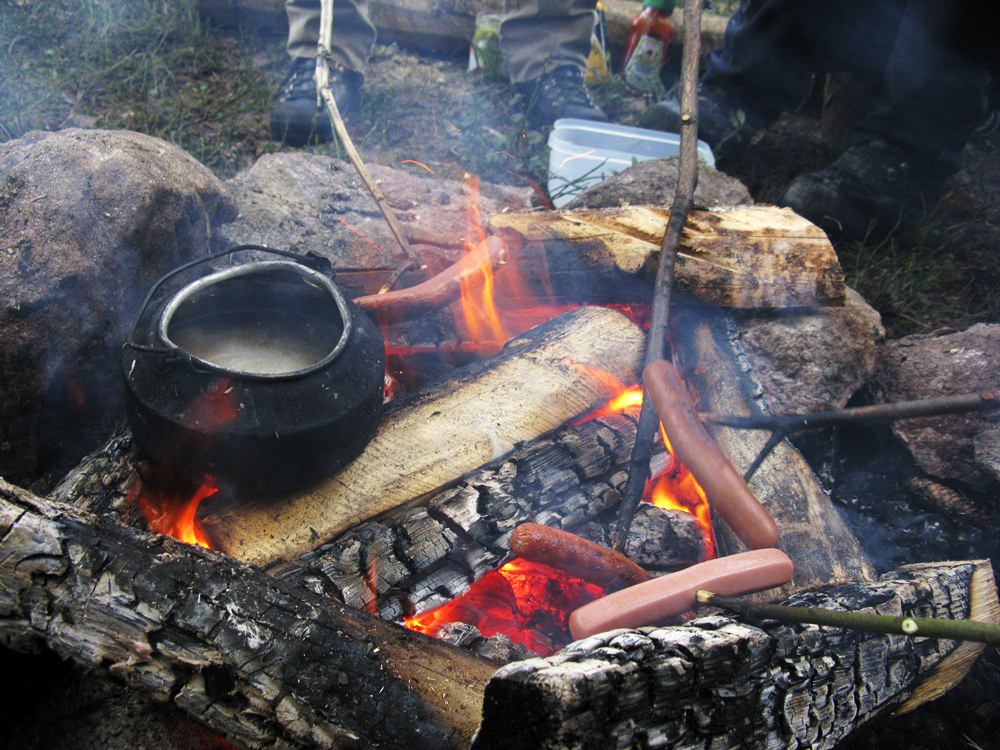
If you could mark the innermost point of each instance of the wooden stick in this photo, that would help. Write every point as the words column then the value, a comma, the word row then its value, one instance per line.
column 928, row 407
column 323, row 60
column 687, row 179
column 917, row 627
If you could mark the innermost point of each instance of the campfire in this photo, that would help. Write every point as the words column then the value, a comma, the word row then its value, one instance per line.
column 521, row 423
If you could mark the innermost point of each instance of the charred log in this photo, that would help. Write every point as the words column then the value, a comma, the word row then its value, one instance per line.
column 260, row 661
column 414, row 559
column 717, row 682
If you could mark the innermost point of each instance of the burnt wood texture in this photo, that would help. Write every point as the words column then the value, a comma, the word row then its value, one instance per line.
column 717, row 682
column 262, row 662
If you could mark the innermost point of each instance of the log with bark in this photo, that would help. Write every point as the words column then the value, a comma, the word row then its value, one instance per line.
column 746, row 256
column 718, row 682
column 541, row 380
column 262, row 662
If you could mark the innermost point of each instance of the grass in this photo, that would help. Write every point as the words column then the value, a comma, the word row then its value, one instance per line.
column 145, row 65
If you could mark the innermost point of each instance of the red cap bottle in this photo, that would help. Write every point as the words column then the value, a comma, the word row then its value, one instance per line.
column 649, row 35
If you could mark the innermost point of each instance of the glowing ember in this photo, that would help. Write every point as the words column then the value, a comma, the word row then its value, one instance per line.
column 166, row 513
column 528, row 602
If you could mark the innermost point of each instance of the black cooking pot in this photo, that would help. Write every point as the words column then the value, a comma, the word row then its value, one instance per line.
column 260, row 374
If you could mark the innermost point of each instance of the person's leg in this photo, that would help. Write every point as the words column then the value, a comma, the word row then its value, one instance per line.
column 930, row 102
column 296, row 117
column 545, row 45
column 770, row 48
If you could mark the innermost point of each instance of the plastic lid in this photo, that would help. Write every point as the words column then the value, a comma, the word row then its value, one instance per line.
column 667, row 6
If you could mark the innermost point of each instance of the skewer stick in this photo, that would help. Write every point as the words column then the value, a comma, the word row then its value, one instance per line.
column 323, row 58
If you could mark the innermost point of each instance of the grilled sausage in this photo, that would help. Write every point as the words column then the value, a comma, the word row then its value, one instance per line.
column 724, row 488
column 573, row 554
column 437, row 291
column 660, row 599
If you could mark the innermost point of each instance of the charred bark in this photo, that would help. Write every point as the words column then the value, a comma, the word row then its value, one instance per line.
column 414, row 559
column 260, row 661
column 717, row 682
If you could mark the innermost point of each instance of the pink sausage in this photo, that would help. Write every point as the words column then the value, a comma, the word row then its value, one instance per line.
column 724, row 488
column 656, row 601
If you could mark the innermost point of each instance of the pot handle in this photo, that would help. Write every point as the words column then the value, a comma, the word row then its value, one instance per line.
column 311, row 260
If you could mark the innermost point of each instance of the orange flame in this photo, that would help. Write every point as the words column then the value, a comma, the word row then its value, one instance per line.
column 166, row 513
column 528, row 602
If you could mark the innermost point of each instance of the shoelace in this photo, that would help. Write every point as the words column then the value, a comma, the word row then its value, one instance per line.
column 300, row 80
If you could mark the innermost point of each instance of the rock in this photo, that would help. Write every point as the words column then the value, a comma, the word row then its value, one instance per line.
column 812, row 360
column 89, row 220
column 313, row 203
column 928, row 366
column 987, row 451
column 653, row 183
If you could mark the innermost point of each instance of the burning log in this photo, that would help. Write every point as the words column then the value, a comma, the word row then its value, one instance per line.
column 717, row 682
column 260, row 661
column 747, row 256
column 416, row 558
column 812, row 533
column 540, row 380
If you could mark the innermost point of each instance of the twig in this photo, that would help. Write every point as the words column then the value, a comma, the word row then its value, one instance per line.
column 918, row 627
column 323, row 60
column 687, row 179
column 928, row 407
column 783, row 424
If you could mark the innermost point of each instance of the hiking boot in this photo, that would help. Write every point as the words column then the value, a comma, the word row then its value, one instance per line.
column 723, row 123
column 296, row 118
column 873, row 189
column 557, row 94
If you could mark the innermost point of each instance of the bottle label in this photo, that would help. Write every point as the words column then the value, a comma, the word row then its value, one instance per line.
column 642, row 71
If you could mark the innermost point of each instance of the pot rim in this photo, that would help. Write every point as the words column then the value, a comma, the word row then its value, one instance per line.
column 246, row 269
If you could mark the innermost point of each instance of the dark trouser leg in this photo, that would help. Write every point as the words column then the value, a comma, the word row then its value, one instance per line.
column 353, row 31
column 935, row 80
column 538, row 35
column 772, row 45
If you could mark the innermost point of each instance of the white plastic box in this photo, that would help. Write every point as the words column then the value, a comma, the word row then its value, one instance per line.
column 583, row 153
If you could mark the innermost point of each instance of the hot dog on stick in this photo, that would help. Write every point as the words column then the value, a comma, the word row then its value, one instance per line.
column 724, row 488
column 659, row 600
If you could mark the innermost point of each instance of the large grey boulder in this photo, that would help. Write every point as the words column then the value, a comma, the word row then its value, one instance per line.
column 89, row 219
column 313, row 203
column 810, row 360
column 928, row 366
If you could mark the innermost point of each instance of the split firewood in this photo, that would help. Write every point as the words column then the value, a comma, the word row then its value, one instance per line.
column 717, row 682
column 262, row 662
column 748, row 256
column 540, row 380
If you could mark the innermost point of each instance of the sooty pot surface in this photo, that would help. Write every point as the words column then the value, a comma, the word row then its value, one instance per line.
column 262, row 376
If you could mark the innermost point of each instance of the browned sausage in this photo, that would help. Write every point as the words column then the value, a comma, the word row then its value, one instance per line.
column 724, row 488
column 437, row 291
column 568, row 552
column 660, row 599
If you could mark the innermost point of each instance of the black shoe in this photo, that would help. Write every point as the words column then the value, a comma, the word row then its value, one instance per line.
column 296, row 119
column 559, row 93
column 872, row 190
column 723, row 123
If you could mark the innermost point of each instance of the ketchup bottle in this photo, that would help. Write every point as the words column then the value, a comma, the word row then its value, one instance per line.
column 649, row 35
